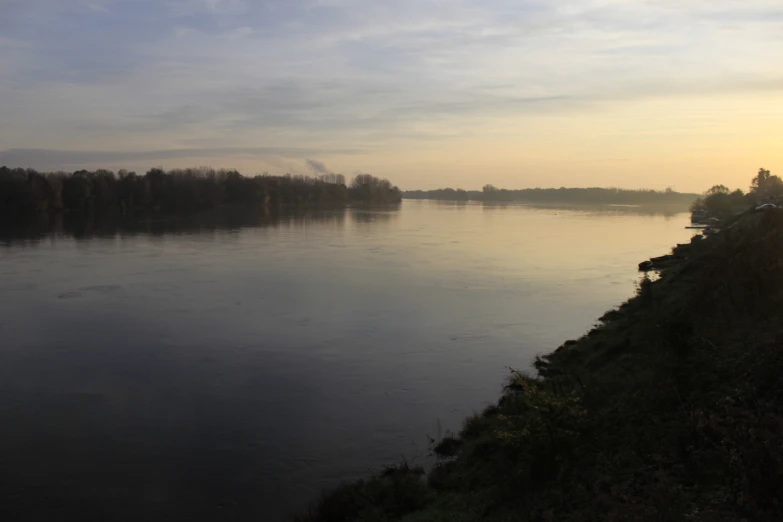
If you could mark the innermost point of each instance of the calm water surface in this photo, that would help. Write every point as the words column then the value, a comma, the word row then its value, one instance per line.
column 171, row 370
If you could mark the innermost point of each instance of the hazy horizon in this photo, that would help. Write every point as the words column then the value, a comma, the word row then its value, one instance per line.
column 429, row 94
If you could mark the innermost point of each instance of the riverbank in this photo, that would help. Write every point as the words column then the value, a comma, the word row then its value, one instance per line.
column 671, row 408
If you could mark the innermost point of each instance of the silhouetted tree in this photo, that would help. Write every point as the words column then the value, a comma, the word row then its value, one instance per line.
column 718, row 189
column 367, row 188
column 25, row 191
column 720, row 202
column 766, row 186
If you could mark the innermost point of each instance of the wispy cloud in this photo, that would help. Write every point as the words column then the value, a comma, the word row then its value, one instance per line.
column 50, row 158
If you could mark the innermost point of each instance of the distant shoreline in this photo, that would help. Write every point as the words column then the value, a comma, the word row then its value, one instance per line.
column 569, row 196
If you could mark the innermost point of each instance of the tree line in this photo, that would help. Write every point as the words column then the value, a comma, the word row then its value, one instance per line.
column 192, row 189
column 558, row 195
column 722, row 203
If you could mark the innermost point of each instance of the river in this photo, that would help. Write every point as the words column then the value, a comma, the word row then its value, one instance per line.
column 231, row 368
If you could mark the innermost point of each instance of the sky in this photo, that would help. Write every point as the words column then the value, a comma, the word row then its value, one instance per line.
column 428, row 93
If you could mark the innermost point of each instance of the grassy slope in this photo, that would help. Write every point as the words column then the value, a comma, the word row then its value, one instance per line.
column 671, row 409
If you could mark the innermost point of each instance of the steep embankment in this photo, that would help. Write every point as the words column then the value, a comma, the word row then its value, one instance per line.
column 670, row 409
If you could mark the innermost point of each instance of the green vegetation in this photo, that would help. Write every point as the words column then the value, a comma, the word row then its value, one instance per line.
column 576, row 196
column 722, row 203
column 671, row 408
column 24, row 191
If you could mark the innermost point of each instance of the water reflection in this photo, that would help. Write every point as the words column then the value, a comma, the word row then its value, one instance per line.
column 374, row 215
column 86, row 226
column 667, row 211
column 80, row 226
